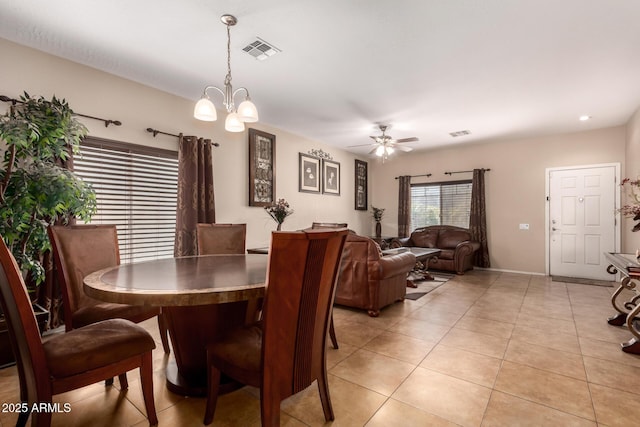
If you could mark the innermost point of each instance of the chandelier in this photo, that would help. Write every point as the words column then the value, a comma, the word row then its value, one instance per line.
column 246, row 112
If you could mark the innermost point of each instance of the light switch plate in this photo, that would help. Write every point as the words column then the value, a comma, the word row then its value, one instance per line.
column 524, row 226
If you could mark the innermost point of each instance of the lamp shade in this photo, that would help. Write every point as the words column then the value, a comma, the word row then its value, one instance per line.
column 233, row 123
column 205, row 110
column 380, row 150
column 247, row 111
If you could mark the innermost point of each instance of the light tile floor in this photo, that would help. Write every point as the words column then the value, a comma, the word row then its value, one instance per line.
column 485, row 349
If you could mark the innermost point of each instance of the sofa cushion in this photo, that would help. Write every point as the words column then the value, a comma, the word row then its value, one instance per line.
column 449, row 239
column 425, row 239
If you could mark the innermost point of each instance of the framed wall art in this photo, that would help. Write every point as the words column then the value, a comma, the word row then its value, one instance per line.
column 262, row 168
column 330, row 177
column 361, row 185
column 309, row 174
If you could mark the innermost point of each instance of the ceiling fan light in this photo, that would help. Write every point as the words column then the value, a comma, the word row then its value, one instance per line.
column 389, row 149
column 205, row 110
column 247, row 111
column 380, row 151
column 233, row 123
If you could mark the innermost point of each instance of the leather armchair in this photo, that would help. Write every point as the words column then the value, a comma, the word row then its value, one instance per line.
column 369, row 280
column 455, row 243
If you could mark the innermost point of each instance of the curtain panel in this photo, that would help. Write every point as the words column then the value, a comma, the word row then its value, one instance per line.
column 404, row 205
column 196, row 203
column 478, row 219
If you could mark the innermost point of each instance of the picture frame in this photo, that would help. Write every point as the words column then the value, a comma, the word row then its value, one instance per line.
column 309, row 174
column 330, row 177
column 262, row 168
column 361, row 185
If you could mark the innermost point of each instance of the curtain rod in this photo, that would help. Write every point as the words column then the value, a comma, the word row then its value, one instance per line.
column 451, row 173
column 107, row 122
column 415, row 176
column 156, row 132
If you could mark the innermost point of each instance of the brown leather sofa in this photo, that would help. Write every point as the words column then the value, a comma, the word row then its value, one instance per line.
column 455, row 243
column 369, row 280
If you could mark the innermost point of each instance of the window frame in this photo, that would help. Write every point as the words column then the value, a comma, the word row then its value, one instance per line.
column 440, row 185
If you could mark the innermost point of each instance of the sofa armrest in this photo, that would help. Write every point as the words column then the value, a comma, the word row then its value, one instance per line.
column 399, row 242
column 393, row 265
column 467, row 247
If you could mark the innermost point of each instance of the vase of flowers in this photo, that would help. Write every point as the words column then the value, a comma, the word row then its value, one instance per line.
column 632, row 209
column 279, row 211
column 377, row 217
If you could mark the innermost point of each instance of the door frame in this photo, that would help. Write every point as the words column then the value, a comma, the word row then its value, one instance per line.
column 547, row 225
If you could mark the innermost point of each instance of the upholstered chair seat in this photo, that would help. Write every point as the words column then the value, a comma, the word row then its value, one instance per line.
column 94, row 346
column 104, row 310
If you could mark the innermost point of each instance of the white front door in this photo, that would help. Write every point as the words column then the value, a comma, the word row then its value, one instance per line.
column 582, row 221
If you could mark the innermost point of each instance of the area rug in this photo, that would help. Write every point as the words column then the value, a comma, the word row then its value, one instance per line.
column 426, row 286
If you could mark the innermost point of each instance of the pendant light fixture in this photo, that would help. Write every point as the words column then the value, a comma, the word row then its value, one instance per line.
column 246, row 112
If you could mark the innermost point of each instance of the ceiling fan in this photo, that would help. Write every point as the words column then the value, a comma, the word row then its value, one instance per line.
column 385, row 145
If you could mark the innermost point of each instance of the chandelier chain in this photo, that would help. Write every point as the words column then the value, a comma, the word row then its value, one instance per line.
column 227, row 79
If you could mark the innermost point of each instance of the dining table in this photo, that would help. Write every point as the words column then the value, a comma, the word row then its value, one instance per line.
column 202, row 297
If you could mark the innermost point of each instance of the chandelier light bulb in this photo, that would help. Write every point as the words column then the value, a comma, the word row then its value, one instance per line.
column 205, row 110
column 380, row 151
column 247, row 111
column 233, row 123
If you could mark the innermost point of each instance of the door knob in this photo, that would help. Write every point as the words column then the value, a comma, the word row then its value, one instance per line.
column 555, row 229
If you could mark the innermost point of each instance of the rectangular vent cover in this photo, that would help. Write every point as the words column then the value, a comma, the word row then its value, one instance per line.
column 460, row 133
column 260, row 49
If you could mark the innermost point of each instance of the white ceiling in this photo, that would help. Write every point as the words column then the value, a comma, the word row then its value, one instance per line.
column 500, row 69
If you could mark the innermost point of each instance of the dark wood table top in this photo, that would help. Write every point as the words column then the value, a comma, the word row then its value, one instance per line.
column 210, row 279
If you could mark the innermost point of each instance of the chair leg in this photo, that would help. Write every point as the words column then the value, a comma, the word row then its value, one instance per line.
column 41, row 419
column 323, row 388
column 23, row 416
column 146, row 379
column 213, row 388
column 332, row 333
column 164, row 333
column 124, row 384
column 108, row 382
column 269, row 408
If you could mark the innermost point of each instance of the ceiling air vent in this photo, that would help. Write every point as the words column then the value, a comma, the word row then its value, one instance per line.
column 260, row 49
column 460, row 133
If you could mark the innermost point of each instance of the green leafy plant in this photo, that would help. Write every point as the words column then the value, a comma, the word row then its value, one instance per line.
column 35, row 189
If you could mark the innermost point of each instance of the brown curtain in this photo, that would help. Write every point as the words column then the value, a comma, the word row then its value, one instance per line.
column 195, row 192
column 478, row 219
column 404, row 205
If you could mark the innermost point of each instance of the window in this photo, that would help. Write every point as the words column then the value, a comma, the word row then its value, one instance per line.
column 446, row 203
column 136, row 189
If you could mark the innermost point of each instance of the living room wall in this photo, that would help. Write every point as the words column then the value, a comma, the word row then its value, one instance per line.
column 630, row 240
column 515, row 186
column 138, row 107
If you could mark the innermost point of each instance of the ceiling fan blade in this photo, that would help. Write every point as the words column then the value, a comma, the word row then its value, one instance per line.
column 403, row 148
column 412, row 139
column 362, row 145
column 373, row 151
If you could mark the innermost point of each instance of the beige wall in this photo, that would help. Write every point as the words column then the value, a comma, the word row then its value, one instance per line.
column 630, row 240
column 515, row 186
column 103, row 95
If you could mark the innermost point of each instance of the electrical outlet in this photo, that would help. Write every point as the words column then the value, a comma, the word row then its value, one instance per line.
column 524, row 226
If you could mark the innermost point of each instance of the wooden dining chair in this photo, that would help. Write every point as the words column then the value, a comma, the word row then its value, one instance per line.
column 285, row 352
column 221, row 239
column 330, row 225
column 82, row 249
column 71, row 360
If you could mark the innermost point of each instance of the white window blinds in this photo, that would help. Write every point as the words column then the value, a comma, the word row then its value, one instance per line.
column 446, row 203
column 136, row 190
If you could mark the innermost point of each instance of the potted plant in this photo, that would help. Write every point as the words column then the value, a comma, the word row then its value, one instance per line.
column 38, row 136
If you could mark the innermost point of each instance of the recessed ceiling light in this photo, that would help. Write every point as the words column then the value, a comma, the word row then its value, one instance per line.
column 585, row 118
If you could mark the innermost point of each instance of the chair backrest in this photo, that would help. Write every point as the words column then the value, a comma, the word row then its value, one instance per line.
column 23, row 328
column 301, row 278
column 221, row 239
column 317, row 225
column 79, row 250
